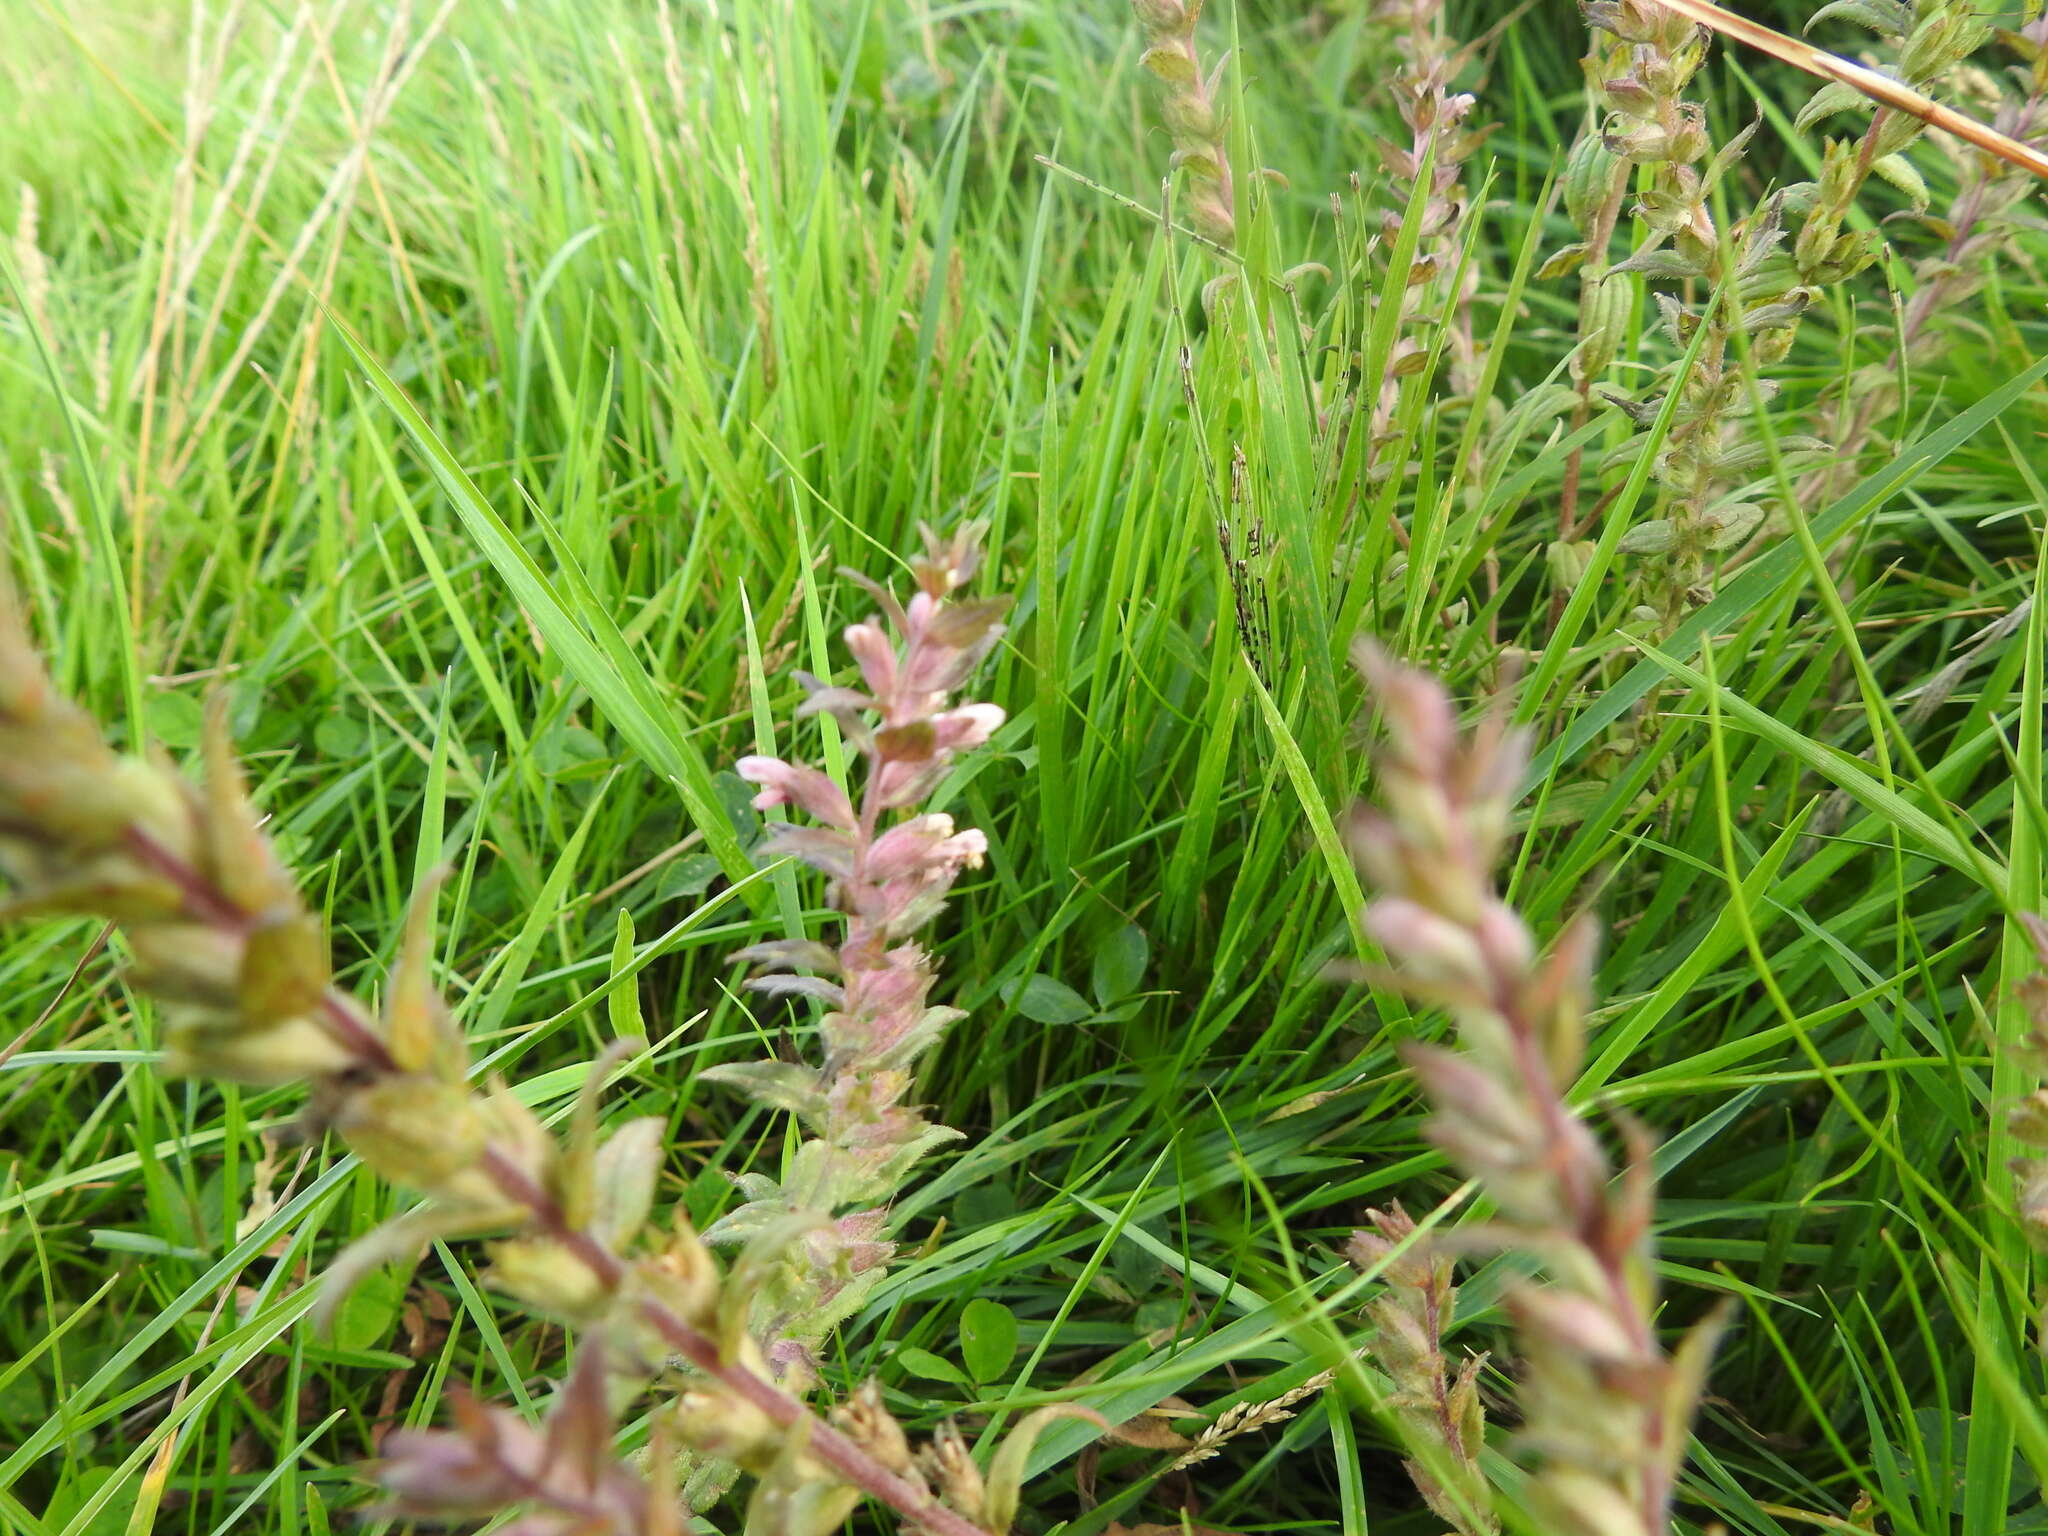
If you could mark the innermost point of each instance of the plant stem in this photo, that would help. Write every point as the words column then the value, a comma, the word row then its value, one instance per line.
column 209, row 904
column 824, row 1442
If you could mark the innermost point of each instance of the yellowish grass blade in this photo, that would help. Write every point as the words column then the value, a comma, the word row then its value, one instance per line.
column 1879, row 88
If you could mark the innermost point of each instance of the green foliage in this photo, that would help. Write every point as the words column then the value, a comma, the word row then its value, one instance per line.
column 701, row 302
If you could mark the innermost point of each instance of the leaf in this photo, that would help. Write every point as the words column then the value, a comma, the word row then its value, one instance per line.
column 570, row 752
column 930, row 1367
column 1726, row 158
column 371, row 1310
column 1900, row 172
column 988, row 1338
column 175, row 719
column 628, row 1168
column 787, row 1085
column 87, row 1489
column 690, row 876
column 1045, row 1001
column 622, row 1007
column 1563, row 263
column 1829, row 99
column 580, row 631
column 1887, row 18
column 1656, row 536
column 341, row 736
column 1663, row 263
column 1151, row 1432
column 737, row 796
column 1119, row 966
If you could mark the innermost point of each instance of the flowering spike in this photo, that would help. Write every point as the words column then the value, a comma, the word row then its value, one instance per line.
column 1188, row 103
column 1601, row 1402
column 226, row 948
column 889, row 877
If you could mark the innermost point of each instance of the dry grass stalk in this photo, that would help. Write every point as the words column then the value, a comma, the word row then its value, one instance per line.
column 1895, row 95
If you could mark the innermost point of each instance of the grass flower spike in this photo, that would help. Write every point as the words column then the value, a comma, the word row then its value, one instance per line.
column 1605, row 1410
column 890, row 866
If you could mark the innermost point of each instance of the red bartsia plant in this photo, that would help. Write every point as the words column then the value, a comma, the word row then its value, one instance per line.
column 1605, row 1409
column 1440, row 138
column 239, row 969
column 889, row 864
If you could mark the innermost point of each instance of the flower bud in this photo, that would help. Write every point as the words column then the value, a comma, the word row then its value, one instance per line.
column 1432, row 948
column 415, row 1131
column 1160, row 16
column 294, row 1050
column 946, row 1462
column 548, row 1278
column 720, row 1423
column 866, row 1422
column 788, row 784
column 683, row 1275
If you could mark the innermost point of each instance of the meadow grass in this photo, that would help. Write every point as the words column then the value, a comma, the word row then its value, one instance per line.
column 481, row 396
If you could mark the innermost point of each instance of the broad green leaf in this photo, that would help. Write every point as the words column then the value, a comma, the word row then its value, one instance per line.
column 923, row 1363
column 988, row 1338
column 1119, row 966
column 1046, row 1001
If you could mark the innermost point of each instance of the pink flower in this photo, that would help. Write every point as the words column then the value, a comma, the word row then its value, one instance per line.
column 1430, row 947
column 788, row 784
column 904, row 782
column 877, row 658
column 897, row 989
column 823, row 848
column 916, row 844
column 968, row 726
column 964, row 850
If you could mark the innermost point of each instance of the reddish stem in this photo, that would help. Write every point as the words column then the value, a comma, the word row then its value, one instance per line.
column 827, row 1444
column 211, row 905
column 207, row 903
